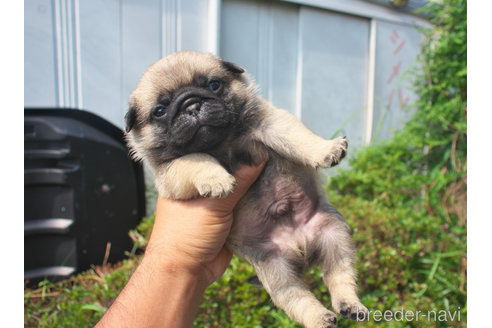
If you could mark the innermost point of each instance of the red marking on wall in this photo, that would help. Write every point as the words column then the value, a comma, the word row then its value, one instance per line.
column 399, row 43
column 390, row 98
column 397, row 50
column 403, row 101
column 395, row 72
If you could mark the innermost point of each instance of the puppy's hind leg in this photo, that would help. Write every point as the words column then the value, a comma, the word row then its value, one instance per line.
column 338, row 271
column 290, row 294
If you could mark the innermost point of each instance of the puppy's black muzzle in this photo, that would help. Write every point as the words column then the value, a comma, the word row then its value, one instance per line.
column 190, row 101
column 197, row 120
column 192, row 105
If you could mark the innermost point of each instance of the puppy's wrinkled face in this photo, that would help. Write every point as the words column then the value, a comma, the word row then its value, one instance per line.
column 186, row 102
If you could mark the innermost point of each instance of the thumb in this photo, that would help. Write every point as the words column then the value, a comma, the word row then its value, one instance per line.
column 245, row 176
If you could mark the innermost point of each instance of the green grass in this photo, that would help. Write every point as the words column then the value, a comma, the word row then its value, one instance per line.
column 78, row 302
column 397, row 261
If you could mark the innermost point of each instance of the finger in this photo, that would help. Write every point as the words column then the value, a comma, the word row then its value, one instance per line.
column 220, row 264
column 224, row 258
column 221, row 207
column 245, row 176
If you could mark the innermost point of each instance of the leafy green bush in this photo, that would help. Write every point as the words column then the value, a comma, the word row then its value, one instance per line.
column 406, row 197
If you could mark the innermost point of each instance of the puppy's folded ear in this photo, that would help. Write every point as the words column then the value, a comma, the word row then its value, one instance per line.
column 233, row 68
column 130, row 118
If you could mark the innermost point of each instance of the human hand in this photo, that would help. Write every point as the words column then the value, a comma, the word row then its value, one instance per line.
column 185, row 254
column 189, row 236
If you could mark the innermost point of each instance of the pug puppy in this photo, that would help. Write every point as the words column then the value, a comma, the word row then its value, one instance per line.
column 194, row 118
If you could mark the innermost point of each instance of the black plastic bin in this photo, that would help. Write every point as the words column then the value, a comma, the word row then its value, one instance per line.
column 82, row 193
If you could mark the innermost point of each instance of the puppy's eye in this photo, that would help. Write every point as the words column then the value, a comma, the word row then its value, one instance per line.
column 159, row 111
column 214, row 85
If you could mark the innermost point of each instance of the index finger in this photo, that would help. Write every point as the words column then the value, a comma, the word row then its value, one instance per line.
column 245, row 176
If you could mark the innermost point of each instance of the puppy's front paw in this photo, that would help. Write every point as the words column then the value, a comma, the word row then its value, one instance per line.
column 337, row 149
column 215, row 183
column 354, row 310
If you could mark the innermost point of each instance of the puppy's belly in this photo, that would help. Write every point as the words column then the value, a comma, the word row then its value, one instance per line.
column 298, row 240
column 280, row 215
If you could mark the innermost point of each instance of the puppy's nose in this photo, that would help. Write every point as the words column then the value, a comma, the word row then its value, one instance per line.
column 193, row 108
column 192, row 105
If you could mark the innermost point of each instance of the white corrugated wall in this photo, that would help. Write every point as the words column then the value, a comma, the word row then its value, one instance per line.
column 339, row 65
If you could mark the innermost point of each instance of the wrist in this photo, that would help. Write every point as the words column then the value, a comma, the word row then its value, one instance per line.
column 169, row 267
column 177, row 290
column 159, row 294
